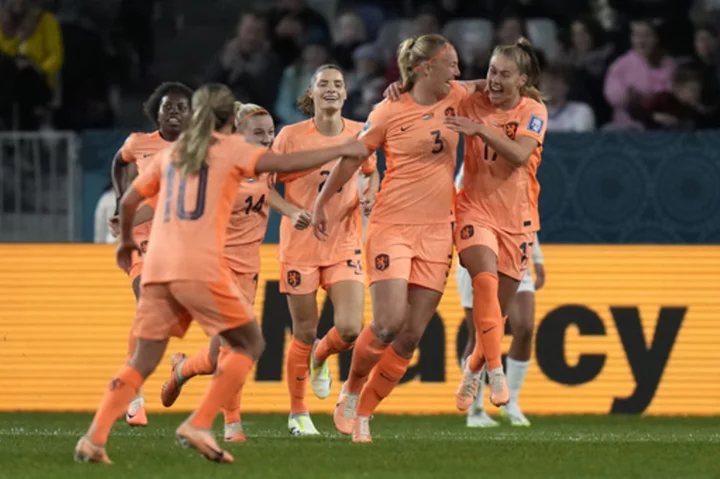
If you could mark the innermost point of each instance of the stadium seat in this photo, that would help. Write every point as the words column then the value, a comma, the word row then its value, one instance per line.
column 469, row 35
column 391, row 34
column 543, row 34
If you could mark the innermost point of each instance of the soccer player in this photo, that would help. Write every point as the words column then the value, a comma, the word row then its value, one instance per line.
column 168, row 107
column 521, row 315
column 185, row 274
column 497, row 215
column 306, row 264
column 409, row 236
column 246, row 230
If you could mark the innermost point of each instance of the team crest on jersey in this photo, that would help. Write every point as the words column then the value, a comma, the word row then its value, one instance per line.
column 294, row 278
column 511, row 129
column 382, row 262
column 449, row 111
column 467, row 232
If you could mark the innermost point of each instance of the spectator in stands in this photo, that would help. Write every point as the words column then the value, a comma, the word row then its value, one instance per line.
column 707, row 62
column 678, row 109
column 422, row 24
column 350, row 33
column 642, row 72
column 105, row 210
column 247, row 64
column 31, row 55
column 297, row 78
column 509, row 30
column 364, row 82
column 290, row 23
column 587, row 54
column 447, row 10
column 564, row 115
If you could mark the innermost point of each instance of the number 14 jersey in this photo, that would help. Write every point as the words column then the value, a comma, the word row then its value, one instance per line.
column 301, row 248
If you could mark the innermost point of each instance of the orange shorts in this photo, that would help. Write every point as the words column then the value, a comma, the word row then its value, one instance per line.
column 167, row 309
column 247, row 283
column 512, row 250
column 308, row 279
column 420, row 254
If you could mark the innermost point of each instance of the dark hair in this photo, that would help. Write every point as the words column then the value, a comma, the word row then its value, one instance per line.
column 305, row 103
column 560, row 72
column 686, row 73
column 708, row 28
column 594, row 28
column 252, row 12
column 151, row 106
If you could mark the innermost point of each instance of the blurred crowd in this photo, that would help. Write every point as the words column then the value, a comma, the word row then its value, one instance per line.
column 611, row 64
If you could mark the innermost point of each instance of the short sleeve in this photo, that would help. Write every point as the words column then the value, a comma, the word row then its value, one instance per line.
column 148, row 183
column 375, row 128
column 369, row 166
column 127, row 150
column 533, row 122
column 247, row 159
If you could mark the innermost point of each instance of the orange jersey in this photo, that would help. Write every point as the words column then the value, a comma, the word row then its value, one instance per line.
column 301, row 248
column 248, row 223
column 189, row 229
column 495, row 191
column 421, row 158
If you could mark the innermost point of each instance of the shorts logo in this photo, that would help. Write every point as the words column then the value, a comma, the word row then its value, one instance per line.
column 382, row 262
column 511, row 129
column 536, row 124
column 294, row 278
column 449, row 111
column 467, row 232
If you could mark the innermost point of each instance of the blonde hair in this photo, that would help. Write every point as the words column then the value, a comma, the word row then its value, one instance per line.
column 305, row 103
column 523, row 54
column 213, row 106
column 245, row 111
column 414, row 52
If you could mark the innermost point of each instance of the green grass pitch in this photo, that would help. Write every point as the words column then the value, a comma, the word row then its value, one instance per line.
column 39, row 445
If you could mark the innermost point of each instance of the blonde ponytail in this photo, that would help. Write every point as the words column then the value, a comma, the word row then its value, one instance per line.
column 213, row 107
column 523, row 54
column 416, row 51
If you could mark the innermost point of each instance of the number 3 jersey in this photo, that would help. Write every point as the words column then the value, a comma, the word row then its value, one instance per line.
column 301, row 248
column 189, row 229
column 248, row 224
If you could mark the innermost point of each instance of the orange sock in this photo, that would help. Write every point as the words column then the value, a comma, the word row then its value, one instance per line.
column 368, row 350
column 477, row 358
column 383, row 379
column 231, row 409
column 225, row 384
column 488, row 320
column 198, row 364
column 121, row 390
column 331, row 344
column 297, row 369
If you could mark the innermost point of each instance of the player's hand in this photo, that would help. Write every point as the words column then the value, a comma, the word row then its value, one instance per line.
column 393, row 91
column 539, row 276
column 462, row 125
column 367, row 201
column 124, row 254
column 355, row 148
column 114, row 225
column 320, row 223
column 301, row 219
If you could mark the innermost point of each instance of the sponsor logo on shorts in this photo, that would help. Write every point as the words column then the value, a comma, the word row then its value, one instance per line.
column 511, row 129
column 382, row 262
column 467, row 232
column 449, row 111
column 294, row 278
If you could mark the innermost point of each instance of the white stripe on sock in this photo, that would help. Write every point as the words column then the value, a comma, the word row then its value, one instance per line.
column 516, row 372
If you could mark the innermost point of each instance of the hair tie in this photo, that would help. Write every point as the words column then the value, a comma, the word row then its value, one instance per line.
column 256, row 112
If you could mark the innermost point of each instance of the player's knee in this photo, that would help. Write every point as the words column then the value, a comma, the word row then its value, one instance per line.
column 406, row 343
column 305, row 334
column 349, row 332
column 523, row 332
column 256, row 349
